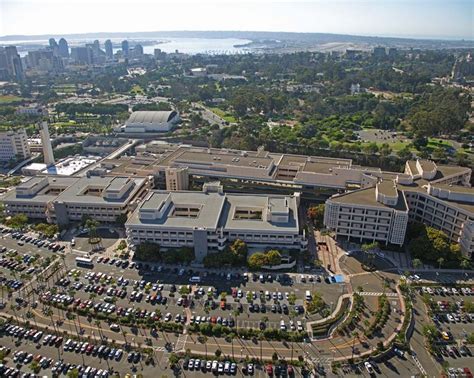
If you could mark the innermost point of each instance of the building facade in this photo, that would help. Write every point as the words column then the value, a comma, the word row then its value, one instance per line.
column 14, row 145
column 208, row 220
column 62, row 200
column 177, row 179
column 438, row 196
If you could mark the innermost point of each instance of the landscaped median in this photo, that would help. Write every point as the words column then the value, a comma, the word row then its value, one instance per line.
column 323, row 328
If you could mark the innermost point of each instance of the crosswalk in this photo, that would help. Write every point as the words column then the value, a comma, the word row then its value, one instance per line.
column 378, row 294
column 418, row 364
column 181, row 343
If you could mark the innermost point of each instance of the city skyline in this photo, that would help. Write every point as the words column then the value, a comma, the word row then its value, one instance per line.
column 387, row 18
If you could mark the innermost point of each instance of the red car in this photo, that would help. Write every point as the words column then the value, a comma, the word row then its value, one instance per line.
column 269, row 369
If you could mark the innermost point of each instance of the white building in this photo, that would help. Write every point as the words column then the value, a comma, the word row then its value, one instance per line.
column 150, row 122
column 14, row 145
column 374, row 214
column 67, row 199
column 46, row 141
column 438, row 196
column 210, row 219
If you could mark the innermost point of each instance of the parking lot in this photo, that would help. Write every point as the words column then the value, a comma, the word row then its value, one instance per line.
column 453, row 316
column 248, row 301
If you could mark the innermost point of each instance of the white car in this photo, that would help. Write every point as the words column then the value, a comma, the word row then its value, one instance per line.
column 369, row 367
column 115, row 327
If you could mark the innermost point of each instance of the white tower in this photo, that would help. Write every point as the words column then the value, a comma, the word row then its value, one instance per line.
column 46, row 141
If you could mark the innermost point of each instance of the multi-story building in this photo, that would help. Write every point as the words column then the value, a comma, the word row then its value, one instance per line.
column 208, row 220
column 438, row 196
column 82, row 55
column 125, row 49
column 63, row 200
column 377, row 214
column 63, row 48
column 177, row 179
column 109, row 51
column 14, row 145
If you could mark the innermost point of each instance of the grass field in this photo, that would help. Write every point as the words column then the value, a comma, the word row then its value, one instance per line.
column 136, row 89
column 8, row 99
column 65, row 88
column 224, row 115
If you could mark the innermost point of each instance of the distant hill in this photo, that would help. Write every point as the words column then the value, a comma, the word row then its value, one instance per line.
column 304, row 38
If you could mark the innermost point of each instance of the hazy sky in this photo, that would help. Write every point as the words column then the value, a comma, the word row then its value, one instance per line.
column 416, row 18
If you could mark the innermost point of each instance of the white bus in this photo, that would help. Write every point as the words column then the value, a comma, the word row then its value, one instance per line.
column 195, row 279
column 85, row 262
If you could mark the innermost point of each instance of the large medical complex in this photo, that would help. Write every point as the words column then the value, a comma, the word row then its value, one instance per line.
column 170, row 194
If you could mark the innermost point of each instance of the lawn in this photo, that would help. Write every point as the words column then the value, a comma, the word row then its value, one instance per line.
column 65, row 88
column 224, row 115
column 136, row 89
column 8, row 99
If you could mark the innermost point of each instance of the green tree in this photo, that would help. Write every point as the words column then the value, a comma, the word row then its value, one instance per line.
column 148, row 252
column 316, row 214
column 18, row 221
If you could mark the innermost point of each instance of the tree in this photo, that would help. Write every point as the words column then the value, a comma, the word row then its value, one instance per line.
column 316, row 214
column 273, row 257
column 239, row 250
column 121, row 219
column 440, row 262
column 464, row 264
column 48, row 230
column 369, row 251
column 122, row 245
column 18, row 221
column 148, row 252
column 417, row 263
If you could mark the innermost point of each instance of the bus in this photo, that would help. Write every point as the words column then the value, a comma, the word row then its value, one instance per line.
column 195, row 279
column 85, row 262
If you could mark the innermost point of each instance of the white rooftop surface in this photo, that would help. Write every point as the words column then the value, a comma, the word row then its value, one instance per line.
column 70, row 166
column 35, row 166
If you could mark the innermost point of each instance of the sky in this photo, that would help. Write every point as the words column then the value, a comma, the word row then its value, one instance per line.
column 446, row 19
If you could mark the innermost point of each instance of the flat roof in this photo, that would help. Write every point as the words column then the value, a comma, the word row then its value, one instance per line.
column 367, row 197
column 70, row 166
column 388, row 188
column 42, row 196
column 210, row 205
column 427, row 165
column 195, row 157
column 259, row 201
column 216, row 210
column 74, row 192
column 455, row 188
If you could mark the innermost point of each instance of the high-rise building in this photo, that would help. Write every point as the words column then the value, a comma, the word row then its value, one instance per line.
column 14, row 145
column 177, row 178
column 96, row 47
column 109, row 52
column 82, row 55
column 14, row 66
column 379, row 52
column 46, row 141
column 125, row 49
column 63, row 48
column 138, row 51
column 52, row 43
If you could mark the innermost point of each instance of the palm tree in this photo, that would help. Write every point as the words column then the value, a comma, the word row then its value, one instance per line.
column 417, row 263
column 236, row 314
column 261, row 338
column 464, row 264
column 355, row 335
column 440, row 262
column 13, row 307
